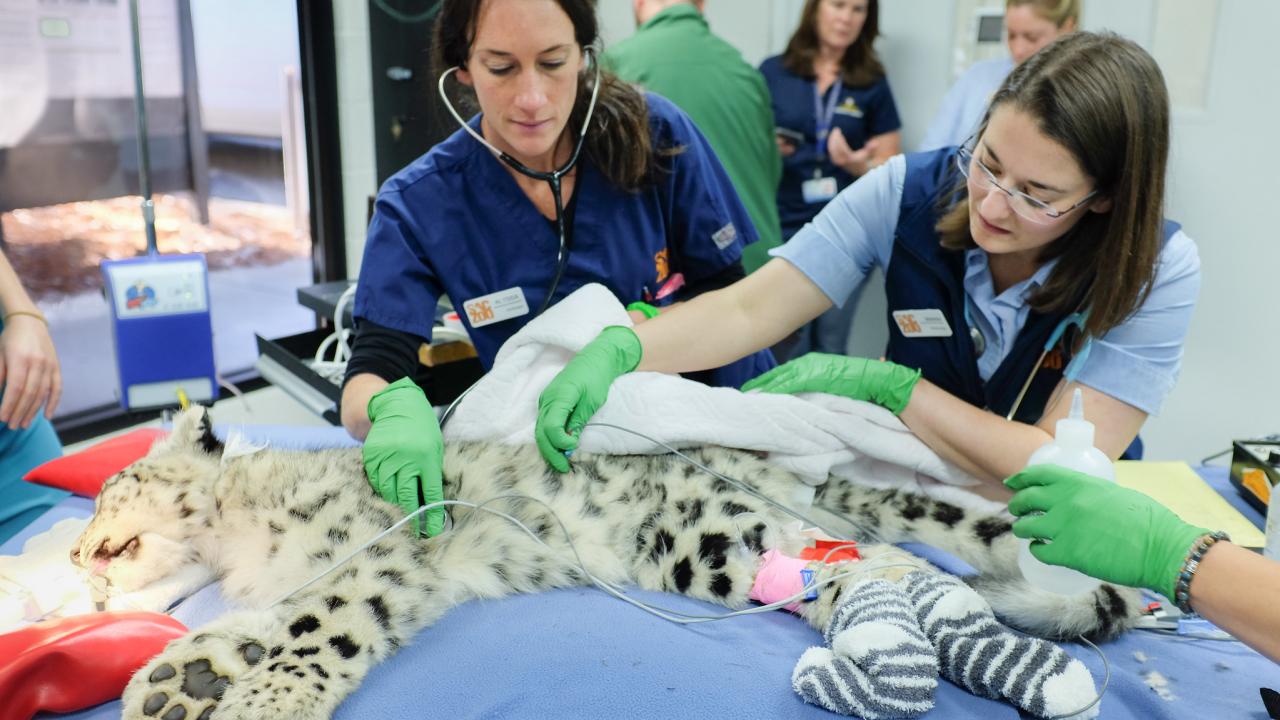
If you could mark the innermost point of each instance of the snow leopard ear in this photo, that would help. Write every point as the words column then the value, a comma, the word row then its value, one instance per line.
column 193, row 430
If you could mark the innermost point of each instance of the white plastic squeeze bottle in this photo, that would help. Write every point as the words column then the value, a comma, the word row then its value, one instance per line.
column 1072, row 448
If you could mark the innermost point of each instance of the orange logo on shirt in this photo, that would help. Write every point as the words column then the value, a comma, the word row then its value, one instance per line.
column 661, row 264
column 1053, row 361
column 479, row 311
column 908, row 324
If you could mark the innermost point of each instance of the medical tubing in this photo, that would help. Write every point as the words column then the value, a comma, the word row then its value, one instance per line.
column 862, row 567
column 808, row 587
column 875, row 537
column 334, row 369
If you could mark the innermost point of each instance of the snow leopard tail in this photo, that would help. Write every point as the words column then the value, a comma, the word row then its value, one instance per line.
column 984, row 540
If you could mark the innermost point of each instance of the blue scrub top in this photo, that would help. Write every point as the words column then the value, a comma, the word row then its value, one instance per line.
column 455, row 222
column 861, row 114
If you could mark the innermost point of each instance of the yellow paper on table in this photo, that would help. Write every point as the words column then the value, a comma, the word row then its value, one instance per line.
column 1176, row 486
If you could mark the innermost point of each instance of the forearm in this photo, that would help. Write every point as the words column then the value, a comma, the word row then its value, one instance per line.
column 1237, row 590
column 721, row 326
column 13, row 298
column 981, row 442
column 355, row 403
column 706, row 332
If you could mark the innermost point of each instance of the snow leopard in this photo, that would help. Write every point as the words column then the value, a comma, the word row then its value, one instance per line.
column 268, row 521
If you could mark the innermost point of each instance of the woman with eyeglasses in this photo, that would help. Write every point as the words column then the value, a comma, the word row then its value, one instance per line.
column 1028, row 25
column 1046, row 229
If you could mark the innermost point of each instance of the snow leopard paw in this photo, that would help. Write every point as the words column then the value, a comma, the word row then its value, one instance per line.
column 190, row 678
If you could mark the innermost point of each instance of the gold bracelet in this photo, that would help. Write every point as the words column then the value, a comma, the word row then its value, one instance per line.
column 28, row 313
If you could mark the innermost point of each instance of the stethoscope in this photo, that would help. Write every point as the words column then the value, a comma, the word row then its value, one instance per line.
column 551, row 178
column 1070, row 373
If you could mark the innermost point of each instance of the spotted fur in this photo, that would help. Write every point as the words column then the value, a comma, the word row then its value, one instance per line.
column 267, row 522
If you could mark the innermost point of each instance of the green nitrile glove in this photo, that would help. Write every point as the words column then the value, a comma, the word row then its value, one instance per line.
column 578, row 391
column 405, row 451
column 883, row 383
column 1099, row 528
column 650, row 312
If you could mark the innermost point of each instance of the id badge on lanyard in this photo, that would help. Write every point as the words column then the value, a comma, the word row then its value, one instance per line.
column 821, row 189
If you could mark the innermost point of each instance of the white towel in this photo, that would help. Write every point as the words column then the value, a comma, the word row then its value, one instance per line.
column 813, row 435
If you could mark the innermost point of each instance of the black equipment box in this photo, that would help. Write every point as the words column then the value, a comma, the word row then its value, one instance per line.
column 1255, row 470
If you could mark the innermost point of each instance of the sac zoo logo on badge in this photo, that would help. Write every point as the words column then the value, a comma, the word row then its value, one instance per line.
column 908, row 325
column 480, row 311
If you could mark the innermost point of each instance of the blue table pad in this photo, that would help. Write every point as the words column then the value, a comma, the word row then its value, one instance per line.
column 578, row 653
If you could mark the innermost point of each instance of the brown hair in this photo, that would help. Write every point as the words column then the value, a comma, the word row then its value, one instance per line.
column 860, row 65
column 618, row 141
column 1057, row 12
column 1103, row 98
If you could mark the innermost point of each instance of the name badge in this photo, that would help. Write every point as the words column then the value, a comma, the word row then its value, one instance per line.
column 496, row 307
column 922, row 323
column 819, row 190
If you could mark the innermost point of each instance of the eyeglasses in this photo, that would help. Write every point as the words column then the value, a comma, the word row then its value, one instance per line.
column 1037, row 211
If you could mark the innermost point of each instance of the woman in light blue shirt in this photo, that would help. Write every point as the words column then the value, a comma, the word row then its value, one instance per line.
column 1030, row 262
column 1029, row 26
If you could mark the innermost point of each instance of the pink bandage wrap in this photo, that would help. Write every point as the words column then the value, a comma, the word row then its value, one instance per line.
column 778, row 579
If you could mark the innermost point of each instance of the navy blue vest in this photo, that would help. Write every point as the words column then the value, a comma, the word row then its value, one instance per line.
column 923, row 275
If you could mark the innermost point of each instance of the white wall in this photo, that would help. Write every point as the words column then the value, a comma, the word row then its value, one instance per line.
column 1222, row 188
column 355, row 122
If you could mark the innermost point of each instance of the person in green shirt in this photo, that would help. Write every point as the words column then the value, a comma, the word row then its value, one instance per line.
column 674, row 54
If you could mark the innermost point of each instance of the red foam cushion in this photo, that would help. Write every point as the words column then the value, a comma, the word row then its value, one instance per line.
column 77, row 662
column 84, row 472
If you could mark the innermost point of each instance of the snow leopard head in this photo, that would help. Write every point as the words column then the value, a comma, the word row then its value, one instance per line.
column 147, row 516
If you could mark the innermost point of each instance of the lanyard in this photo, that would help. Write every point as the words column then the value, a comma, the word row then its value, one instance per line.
column 824, row 116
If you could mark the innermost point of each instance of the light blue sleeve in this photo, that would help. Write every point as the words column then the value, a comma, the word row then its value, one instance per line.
column 943, row 128
column 965, row 103
column 853, row 233
column 1137, row 362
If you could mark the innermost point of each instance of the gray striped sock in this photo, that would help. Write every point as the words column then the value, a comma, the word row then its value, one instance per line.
column 987, row 658
column 879, row 664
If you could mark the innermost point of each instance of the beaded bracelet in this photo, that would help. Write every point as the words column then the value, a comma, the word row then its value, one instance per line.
column 1182, row 590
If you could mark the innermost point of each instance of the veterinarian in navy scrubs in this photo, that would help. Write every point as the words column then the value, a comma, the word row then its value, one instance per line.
column 1044, row 231
column 835, row 120
column 644, row 208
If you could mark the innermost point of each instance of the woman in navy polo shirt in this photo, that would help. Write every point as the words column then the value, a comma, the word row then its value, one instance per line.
column 646, row 210
column 835, row 119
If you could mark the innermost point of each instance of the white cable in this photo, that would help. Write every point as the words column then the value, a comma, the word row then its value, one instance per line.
column 334, row 370
column 862, row 567
column 343, row 353
column 244, row 399
column 872, row 534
